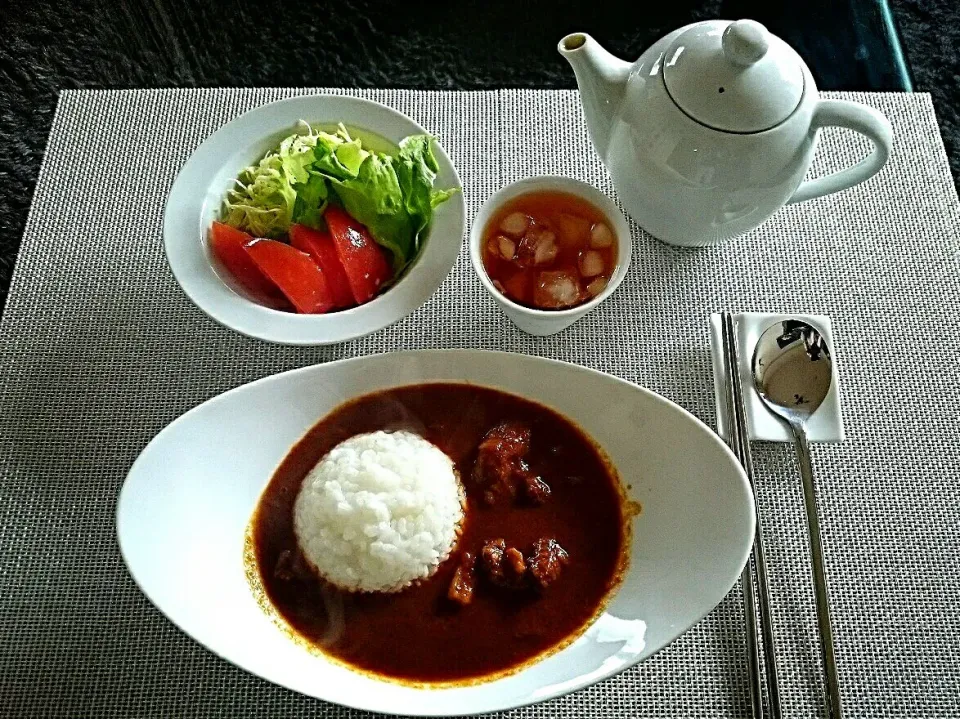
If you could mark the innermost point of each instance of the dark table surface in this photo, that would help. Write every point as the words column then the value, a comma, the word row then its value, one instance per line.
column 48, row 46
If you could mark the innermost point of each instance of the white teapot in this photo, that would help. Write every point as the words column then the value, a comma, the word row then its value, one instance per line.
column 712, row 130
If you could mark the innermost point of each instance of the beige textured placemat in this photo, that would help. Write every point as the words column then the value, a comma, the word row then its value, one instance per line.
column 99, row 350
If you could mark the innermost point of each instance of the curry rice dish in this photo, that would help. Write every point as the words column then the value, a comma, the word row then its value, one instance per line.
column 440, row 533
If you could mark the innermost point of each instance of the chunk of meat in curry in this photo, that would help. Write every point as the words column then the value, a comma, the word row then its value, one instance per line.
column 501, row 467
column 546, row 561
column 498, row 458
column 464, row 580
column 505, row 566
column 534, row 488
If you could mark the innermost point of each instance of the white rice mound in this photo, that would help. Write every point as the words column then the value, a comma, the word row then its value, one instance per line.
column 379, row 511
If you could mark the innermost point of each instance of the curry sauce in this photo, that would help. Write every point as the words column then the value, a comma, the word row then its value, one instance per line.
column 419, row 634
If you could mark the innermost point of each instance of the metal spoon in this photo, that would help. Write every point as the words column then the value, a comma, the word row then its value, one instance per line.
column 792, row 370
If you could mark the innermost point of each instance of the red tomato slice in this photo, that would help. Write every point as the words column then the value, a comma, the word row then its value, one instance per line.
column 364, row 261
column 319, row 245
column 228, row 245
column 297, row 276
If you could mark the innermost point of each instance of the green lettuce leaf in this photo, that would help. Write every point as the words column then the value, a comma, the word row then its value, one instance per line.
column 338, row 156
column 392, row 195
column 438, row 197
column 311, row 201
column 417, row 171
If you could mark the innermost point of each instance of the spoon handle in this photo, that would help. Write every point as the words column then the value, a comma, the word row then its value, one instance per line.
column 819, row 573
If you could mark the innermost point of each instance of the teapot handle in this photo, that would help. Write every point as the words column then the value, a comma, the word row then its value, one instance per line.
column 859, row 118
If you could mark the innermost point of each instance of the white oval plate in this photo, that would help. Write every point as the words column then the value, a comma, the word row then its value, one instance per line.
column 197, row 193
column 188, row 499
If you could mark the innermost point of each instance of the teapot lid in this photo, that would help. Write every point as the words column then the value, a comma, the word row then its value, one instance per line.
column 734, row 77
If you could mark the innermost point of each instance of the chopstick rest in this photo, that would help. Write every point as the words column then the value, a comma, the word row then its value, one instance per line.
column 826, row 425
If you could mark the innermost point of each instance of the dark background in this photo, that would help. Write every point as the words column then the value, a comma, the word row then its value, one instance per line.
column 48, row 46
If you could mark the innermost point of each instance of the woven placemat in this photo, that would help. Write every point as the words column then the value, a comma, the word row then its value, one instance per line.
column 99, row 350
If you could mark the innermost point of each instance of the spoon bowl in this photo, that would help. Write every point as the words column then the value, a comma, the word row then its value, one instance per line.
column 792, row 369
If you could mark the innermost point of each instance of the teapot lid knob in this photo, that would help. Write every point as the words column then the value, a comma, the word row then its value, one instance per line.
column 745, row 42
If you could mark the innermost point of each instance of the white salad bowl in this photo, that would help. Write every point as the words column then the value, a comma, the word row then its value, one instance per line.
column 529, row 319
column 195, row 200
column 186, row 504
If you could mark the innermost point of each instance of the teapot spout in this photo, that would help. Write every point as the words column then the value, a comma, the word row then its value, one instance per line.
column 602, row 79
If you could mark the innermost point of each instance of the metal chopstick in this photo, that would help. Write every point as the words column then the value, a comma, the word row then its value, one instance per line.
column 746, row 577
column 739, row 441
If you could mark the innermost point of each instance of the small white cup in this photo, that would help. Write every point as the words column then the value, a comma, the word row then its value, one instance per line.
column 548, row 322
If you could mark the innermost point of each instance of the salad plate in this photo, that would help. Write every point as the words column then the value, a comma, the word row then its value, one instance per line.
column 196, row 201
